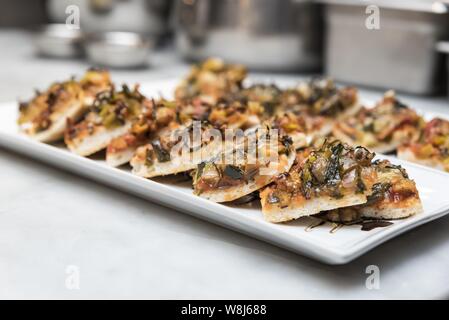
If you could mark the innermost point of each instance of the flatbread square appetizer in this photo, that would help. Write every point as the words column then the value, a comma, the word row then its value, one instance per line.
column 44, row 118
column 431, row 148
column 225, row 114
column 310, row 110
column 382, row 128
column 178, row 148
column 302, row 128
column 237, row 115
column 211, row 80
column 394, row 196
column 333, row 176
column 269, row 95
column 153, row 120
column 112, row 115
column 249, row 167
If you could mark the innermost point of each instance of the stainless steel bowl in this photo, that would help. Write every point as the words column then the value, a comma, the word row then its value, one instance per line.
column 118, row 49
column 59, row 41
column 141, row 16
column 281, row 35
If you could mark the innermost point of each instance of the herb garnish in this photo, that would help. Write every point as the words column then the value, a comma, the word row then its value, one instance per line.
column 161, row 154
column 233, row 172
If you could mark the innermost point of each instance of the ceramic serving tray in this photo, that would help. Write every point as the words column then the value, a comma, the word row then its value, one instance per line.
column 324, row 243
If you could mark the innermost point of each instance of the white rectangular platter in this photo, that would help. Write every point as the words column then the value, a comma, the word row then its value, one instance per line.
column 319, row 243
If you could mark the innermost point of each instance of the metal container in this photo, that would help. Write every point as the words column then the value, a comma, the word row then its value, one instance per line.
column 142, row 16
column 118, row 49
column 400, row 55
column 58, row 41
column 281, row 35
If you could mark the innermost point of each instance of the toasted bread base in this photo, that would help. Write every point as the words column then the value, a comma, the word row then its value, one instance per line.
column 177, row 165
column 273, row 213
column 161, row 168
column 97, row 141
column 121, row 157
column 236, row 192
column 391, row 213
column 56, row 130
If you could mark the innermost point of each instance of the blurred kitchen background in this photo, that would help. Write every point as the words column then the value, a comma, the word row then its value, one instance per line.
column 378, row 45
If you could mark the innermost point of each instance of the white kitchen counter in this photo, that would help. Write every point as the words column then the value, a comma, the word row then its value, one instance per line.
column 125, row 247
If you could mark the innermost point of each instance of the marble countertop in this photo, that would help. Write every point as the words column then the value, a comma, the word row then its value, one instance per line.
column 62, row 236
